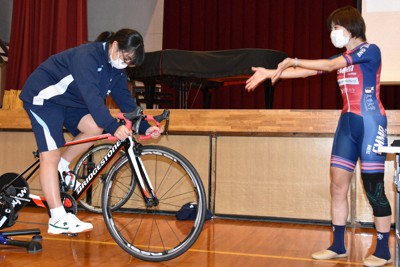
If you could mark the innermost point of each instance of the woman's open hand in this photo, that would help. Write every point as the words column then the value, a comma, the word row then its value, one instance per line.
column 260, row 75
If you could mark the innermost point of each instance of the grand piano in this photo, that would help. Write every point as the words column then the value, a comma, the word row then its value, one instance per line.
column 183, row 70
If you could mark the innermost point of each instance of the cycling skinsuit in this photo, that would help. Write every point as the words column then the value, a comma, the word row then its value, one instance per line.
column 362, row 126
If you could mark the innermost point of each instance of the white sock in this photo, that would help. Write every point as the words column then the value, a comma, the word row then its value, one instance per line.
column 63, row 165
column 57, row 213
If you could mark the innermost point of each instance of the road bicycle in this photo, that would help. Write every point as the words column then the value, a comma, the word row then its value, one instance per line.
column 142, row 191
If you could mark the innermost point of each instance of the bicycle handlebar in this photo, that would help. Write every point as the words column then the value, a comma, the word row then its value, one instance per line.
column 134, row 118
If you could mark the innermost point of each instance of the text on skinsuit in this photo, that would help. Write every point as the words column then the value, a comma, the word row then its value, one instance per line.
column 348, row 81
column 98, row 167
column 361, row 52
column 379, row 139
column 345, row 69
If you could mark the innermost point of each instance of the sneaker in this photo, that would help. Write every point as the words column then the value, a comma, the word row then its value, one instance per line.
column 69, row 224
column 69, row 180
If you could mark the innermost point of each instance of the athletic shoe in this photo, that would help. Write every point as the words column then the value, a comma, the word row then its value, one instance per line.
column 327, row 255
column 373, row 261
column 69, row 224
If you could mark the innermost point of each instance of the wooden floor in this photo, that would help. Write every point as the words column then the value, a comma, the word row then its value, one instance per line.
column 222, row 243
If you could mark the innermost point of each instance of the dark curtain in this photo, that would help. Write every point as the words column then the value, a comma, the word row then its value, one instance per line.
column 39, row 29
column 296, row 27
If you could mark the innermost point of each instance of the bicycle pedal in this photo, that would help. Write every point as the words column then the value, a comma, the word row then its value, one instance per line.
column 70, row 235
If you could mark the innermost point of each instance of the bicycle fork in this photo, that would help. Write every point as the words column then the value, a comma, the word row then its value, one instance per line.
column 146, row 188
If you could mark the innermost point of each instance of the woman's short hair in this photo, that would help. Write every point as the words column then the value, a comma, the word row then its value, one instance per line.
column 349, row 18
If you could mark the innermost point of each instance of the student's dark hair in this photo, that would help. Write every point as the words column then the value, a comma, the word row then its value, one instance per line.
column 104, row 36
column 349, row 18
column 130, row 41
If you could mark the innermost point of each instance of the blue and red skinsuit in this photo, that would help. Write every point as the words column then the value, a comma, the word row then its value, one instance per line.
column 362, row 126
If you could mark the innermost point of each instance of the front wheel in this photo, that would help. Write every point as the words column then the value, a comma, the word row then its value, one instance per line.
column 155, row 234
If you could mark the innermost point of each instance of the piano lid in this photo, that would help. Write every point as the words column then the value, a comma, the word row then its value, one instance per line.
column 211, row 65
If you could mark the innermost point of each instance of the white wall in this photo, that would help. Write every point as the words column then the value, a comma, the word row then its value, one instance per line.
column 145, row 16
column 383, row 28
column 5, row 19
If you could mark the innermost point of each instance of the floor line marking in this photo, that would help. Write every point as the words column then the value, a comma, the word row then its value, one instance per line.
column 194, row 250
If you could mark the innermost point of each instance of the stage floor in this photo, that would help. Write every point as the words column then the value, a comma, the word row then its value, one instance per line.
column 223, row 242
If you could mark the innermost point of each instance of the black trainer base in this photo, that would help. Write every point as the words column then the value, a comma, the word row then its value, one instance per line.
column 31, row 246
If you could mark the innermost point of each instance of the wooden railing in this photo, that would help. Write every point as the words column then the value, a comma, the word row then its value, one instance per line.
column 231, row 122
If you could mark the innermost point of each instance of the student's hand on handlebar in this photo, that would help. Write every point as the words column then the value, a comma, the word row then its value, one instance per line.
column 122, row 132
column 135, row 117
column 154, row 131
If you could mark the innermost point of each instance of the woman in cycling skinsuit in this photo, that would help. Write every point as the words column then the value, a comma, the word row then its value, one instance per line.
column 361, row 128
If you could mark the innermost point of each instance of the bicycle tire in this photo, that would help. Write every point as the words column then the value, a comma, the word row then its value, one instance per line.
column 91, row 200
column 154, row 234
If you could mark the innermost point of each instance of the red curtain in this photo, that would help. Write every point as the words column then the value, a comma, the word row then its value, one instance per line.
column 296, row 27
column 39, row 29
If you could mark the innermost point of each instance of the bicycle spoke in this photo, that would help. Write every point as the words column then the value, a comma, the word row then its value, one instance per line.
column 155, row 234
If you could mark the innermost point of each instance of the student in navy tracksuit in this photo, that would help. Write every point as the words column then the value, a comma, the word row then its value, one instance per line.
column 69, row 90
column 361, row 128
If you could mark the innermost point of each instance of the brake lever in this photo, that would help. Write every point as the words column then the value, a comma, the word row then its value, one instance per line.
column 127, row 119
column 137, row 116
column 157, row 120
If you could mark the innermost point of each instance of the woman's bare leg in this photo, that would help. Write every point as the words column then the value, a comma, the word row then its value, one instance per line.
column 339, row 188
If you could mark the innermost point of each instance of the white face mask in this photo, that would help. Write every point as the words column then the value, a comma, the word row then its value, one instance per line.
column 119, row 63
column 338, row 39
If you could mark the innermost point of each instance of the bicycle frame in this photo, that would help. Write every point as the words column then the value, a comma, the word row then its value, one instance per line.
column 129, row 145
column 142, row 178
column 78, row 192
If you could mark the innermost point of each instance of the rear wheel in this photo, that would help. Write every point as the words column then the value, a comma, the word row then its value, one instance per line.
column 155, row 233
